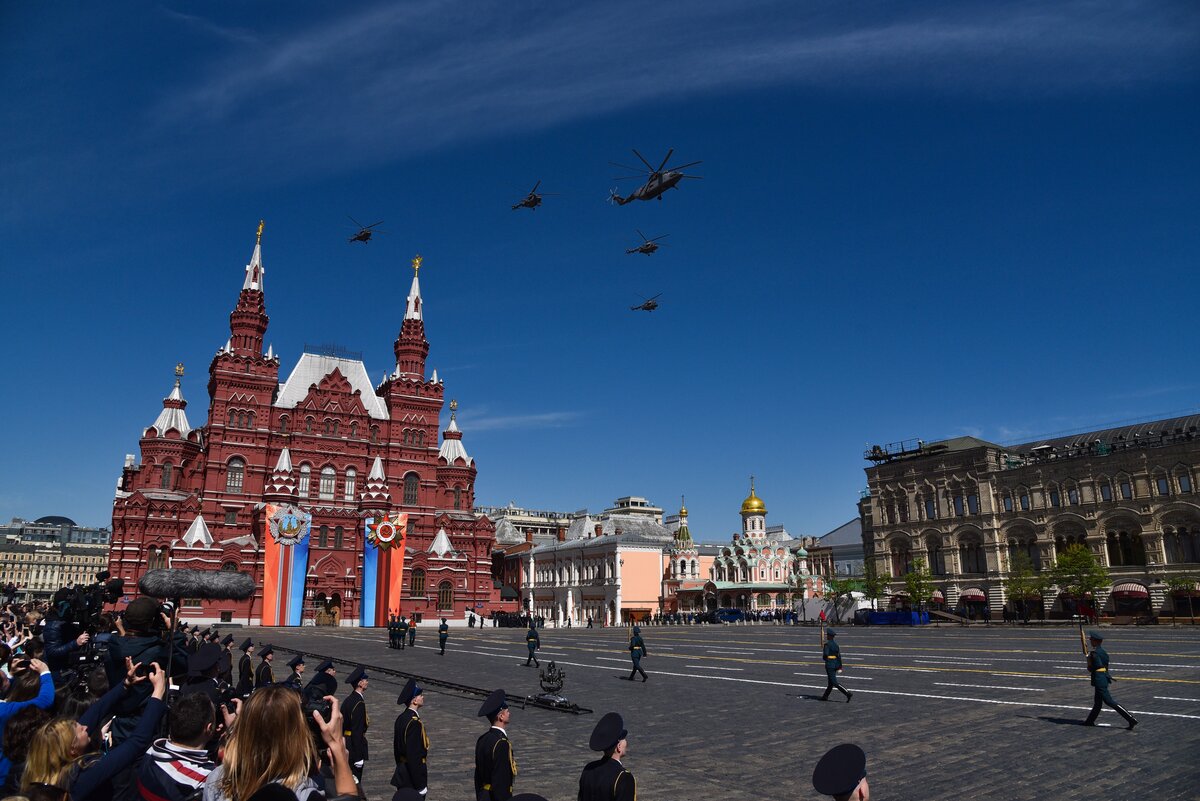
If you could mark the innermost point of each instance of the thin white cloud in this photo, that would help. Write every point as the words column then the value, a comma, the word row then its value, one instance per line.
column 488, row 422
column 396, row 79
column 233, row 35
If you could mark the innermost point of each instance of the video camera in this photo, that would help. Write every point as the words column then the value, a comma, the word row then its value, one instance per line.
column 83, row 605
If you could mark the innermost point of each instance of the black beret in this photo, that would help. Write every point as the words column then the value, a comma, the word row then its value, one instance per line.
column 608, row 732
column 840, row 770
column 493, row 703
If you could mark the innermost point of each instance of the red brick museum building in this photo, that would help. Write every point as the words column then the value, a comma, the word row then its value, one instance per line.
column 330, row 449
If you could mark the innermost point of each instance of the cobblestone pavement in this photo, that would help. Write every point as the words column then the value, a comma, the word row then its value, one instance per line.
column 730, row 712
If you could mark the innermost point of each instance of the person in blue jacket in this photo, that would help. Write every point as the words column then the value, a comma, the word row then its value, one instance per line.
column 31, row 687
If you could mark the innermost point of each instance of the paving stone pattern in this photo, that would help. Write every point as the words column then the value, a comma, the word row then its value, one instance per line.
column 724, row 714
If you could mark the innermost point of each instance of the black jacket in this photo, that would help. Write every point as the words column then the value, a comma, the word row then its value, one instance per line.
column 144, row 649
column 59, row 638
column 410, row 746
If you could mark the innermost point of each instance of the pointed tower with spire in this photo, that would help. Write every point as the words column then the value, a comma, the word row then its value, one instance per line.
column 754, row 516
column 167, row 445
column 411, row 347
column 248, row 320
column 456, row 470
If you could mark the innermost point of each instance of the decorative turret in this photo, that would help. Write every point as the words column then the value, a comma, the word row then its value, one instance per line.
column 282, row 484
column 452, row 448
column 376, row 495
column 682, row 535
column 754, row 515
column 411, row 347
column 248, row 320
column 198, row 535
column 172, row 415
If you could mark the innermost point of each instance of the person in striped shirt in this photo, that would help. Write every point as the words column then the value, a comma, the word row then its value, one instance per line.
column 175, row 767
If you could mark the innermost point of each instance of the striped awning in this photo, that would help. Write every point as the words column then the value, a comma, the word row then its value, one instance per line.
column 1130, row 589
column 937, row 596
column 973, row 594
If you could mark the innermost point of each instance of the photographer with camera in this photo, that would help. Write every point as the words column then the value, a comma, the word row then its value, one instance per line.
column 62, row 752
column 176, row 766
column 62, row 635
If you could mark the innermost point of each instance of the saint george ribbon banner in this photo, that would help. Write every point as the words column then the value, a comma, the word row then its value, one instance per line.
column 285, row 563
column 383, row 568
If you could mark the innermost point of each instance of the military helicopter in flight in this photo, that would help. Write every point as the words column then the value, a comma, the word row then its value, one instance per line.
column 533, row 199
column 650, row 304
column 659, row 180
column 648, row 246
column 365, row 232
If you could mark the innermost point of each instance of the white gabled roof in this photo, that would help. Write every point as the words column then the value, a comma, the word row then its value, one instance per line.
column 441, row 544
column 198, row 534
column 284, row 465
column 173, row 416
column 312, row 368
column 453, row 449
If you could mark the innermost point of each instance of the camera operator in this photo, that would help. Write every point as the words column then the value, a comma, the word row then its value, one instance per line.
column 61, row 635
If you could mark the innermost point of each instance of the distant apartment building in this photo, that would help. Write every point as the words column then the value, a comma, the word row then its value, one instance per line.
column 42, row 555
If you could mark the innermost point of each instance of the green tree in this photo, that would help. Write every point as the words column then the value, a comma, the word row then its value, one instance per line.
column 918, row 583
column 1178, row 585
column 1079, row 574
column 837, row 588
column 874, row 583
column 1023, row 582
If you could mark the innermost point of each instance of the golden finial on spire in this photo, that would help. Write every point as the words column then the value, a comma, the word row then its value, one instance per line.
column 453, row 403
column 261, row 225
column 416, row 264
column 178, row 372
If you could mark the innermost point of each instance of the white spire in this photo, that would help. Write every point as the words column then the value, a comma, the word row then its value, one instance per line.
column 413, row 310
column 172, row 414
column 228, row 345
column 270, row 351
column 254, row 270
column 435, row 378
column 453, row 424
column 198, row 534
column 441, row 544
column 284, row 465
column 376, row 473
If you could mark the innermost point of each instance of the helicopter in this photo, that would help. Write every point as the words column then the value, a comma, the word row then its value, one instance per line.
column 650, row 304
column 533, row 199
column 659, row 180
column 364, row 231
column 648, row 246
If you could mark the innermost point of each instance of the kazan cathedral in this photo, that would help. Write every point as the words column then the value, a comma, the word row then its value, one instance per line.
column 760, row 568
column 333, row 493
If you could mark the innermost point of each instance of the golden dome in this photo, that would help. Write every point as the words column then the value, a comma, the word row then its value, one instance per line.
column 682, row 507
column 753, row 505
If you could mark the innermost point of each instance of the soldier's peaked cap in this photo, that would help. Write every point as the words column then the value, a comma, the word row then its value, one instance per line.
column 411, row 690
column 637, row 630
column 840, row 770
column 298, row 659
column 608, row 732
column 326, row 665
column 228, row 640
column 830, row 633
column 356, row 675
column 205, row 658
column 1095, row 634
column 494, row 703
column 325, row 682
column 246, row 645
column 266, row 651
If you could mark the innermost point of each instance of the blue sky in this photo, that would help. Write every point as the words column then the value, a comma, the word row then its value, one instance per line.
column 915, row 220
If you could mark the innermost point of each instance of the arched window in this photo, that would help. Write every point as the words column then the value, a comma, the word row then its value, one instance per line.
column 1183, row 479
column 328, row 481
column 354, row 429
column 934, row 555
column 166, row 475
column 351, row 479
column 764, row 599
column 235, row 476
column 283, row 421
column 374, row 435
column 323, row 536
column 230, row 567
column 305, row 480
column 411, row 484
column 233, row 416
column 420, row 439
column 971, row 555
column 1125, row 548
column 457, row 497
column 156, row 558
column 445, row 597
column 901, row 557
column 416, row 587
column 338, row 536
column 308, row 423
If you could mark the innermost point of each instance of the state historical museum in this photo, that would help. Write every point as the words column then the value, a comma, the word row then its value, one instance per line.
column 333, row 493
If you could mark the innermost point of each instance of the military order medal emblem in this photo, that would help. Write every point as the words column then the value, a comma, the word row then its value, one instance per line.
column 289, row 525
column 382, row 533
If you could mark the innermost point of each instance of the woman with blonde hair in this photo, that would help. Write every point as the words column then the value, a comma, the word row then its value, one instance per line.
column 61, row 752
column 271, row 743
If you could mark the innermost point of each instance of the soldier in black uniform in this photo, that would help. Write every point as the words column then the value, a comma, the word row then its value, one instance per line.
column 443, row 635
column 262, row 674
column 225, row 663
column 202, row 670
column 245, row 669
column 533, row 642
column 326, row 668
column 606, row 779
column 295, row 679
column 391, row 627
column 495, row 768
column 1097, row 665
column 410, row 743
column 402, row 631
column 831, row 655
column 356, row 721
column 842, row 773
column 637, row 649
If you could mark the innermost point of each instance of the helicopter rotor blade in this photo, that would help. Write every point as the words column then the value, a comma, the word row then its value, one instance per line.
column 535, row 186
column 372, row 225
column 643, row 160
column 693, row 177
column 684, row 166
column 655, row 239
column 666, row 158
column 643, row 236
column 629, row 177
column 356, row 222
column 626, row 167
column 656, row 297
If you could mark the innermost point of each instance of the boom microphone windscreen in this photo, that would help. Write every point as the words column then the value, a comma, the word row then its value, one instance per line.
column 209, row 585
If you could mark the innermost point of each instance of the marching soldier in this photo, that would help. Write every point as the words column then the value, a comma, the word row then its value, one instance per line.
column 225, row 664
column 245, row 669
column 495, row 768
column 637, row 649
column 402, row 631
column 443, row 635
column 842, row 773
column 410, row 743
column 832, row 657
column 391, row 630
column 1098, row 667
column 606, row 779
column 296, row 679
column 412, row 632
column 356, row 721
column 263, row 675
column 533, row 642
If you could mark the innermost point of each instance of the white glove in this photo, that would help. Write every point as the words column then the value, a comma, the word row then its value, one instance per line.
column 359, row 763
column 426, row 790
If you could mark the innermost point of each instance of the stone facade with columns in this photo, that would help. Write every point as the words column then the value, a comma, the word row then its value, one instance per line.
column 968, row 507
